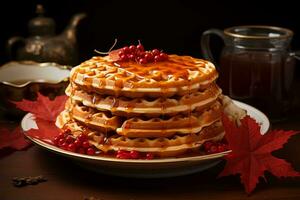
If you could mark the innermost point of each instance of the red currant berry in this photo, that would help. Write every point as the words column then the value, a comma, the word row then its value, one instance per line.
column 55, row 140
column 148, row 57
column 126, row 50
column 221, row 148
column 121, row 152
column 149, row 156
column 155, row 52
column 126, row 156
column 141, row 54
column 85, row 144
column 213, row 149
column 134, row 154
column 69, row 139
column 61, row 142
column 142, row 61
column 123, row 57
column 130, row 57
column 121, row 52
column 121, row 156
column 140, row 47
column 90, row 151
column 156, row 58
column 61, row 135
column 132, row 48
column 72, row 147
column 163, row 56
column 207, row 145
column 82, row 137
column 77, row 143
column 81, row 150
column 64, row 146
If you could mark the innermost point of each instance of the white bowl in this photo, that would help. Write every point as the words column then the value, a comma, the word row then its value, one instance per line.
column 20, row 74
column 19, row 80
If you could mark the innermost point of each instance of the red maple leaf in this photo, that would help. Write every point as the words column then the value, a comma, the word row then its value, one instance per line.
column 46, row 130
column 13, row 139
column 45, row 112
column 43, row 107
column 251, row 152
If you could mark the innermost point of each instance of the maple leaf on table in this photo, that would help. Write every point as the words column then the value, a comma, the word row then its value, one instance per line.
column 13, row 139
column 45, row 112
column 251, row 152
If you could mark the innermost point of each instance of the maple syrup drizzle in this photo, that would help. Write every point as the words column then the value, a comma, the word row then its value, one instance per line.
column 118, row 86
column 175, row 68
column 105, row 131
column 95, row 99
column 129, row 107
column 114, row 104
column 89, row 118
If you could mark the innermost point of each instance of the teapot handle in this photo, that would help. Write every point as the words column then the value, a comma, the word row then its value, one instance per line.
column 11, row 43
column 205, row 43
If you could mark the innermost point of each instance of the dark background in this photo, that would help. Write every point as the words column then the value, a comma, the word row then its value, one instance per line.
column 174, row 26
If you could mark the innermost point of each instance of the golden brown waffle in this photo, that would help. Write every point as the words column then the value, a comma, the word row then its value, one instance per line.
column 138, row 127
column 161, row 146
column 178, row 75
column 166, row 108
column 92, row 117
column 123, row 106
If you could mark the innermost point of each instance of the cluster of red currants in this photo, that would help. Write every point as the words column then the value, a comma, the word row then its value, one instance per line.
column 139, row 55
column 133, row 155
column 80, row 144
column 215, row 147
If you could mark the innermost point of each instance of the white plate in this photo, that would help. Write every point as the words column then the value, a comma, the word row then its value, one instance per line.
column 165, row 167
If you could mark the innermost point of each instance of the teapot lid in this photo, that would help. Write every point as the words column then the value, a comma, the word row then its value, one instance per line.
column 41, row 25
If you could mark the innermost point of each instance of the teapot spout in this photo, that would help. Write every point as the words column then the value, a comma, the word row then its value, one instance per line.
column 76, row 19
column 70, row 31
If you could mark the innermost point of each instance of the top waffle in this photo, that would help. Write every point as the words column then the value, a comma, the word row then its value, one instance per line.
column 179, row 75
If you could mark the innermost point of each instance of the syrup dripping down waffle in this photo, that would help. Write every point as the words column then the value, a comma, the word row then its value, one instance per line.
column 167, row 108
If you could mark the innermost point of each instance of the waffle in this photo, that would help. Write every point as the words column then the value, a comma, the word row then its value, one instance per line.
column 123, row 106
column 179, row 75
column 167, row 108
column 160, row 146
column 138, row 127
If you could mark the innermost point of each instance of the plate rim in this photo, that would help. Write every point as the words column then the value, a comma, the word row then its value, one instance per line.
column 50, row 147
column 263, row 115
column 108, row 159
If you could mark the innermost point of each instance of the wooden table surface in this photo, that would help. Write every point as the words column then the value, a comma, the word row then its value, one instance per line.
column 66, row 180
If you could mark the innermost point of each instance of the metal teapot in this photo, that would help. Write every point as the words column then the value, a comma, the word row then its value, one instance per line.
column 43, row 45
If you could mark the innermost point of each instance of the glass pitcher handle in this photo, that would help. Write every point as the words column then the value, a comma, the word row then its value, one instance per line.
column 205, row 43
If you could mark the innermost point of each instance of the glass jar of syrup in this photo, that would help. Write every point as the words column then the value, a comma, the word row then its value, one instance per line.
column 256, row 66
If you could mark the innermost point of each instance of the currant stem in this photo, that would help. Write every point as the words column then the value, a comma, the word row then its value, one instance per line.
column 111, row 48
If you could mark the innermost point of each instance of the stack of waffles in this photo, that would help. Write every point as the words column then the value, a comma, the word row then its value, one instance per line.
column 168, row 108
